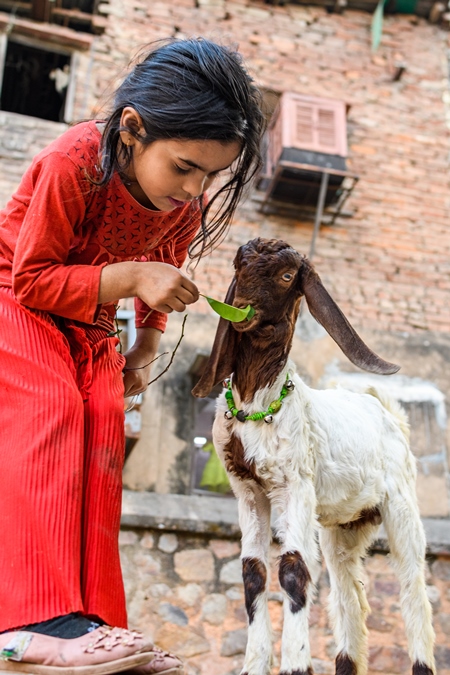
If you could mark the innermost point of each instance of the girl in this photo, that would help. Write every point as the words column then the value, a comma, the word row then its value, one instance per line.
column 108, row 210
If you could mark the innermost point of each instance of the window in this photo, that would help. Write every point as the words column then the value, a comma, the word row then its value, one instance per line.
column 306, row 153
column 125, row 324
column 36, row 81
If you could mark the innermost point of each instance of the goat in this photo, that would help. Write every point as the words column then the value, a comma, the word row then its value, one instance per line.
column 334, row 463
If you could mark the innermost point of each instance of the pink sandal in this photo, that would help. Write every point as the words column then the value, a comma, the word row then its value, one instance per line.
column 162, row 662
column 103, row 651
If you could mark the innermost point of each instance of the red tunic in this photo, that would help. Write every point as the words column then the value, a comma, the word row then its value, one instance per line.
column 58, row 231
column 62, row 431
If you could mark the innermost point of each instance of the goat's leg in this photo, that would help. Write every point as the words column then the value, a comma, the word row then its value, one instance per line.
column 343, row 550
column 407, row 545
column 299, row 566
column 254, row 520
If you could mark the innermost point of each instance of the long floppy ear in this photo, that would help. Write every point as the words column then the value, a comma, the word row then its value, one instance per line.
column 326, row 312
column 221, row 361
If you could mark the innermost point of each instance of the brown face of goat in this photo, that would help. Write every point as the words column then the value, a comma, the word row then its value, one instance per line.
column 272, row 277
column 267, row 279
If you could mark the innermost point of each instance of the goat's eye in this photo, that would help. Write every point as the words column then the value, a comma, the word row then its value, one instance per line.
column 287, row 276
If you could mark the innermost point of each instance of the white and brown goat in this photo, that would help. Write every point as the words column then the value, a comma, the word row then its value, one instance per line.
column 331, row 462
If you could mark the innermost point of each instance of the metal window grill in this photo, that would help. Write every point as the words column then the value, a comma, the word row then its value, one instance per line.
column 306, row 157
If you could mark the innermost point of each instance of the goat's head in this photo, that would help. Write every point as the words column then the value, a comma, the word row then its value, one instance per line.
column 267, row 272
column 272, row 277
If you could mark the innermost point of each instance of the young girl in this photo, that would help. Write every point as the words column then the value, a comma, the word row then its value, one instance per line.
column 108, row 210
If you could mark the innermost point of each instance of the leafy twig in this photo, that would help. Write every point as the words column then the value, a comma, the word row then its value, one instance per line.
column 125, row 370
column 173, row 353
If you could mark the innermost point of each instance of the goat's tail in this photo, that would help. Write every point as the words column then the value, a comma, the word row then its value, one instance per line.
column 393, row 407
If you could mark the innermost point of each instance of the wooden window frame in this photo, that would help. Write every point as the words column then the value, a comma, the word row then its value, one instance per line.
column 44, row 11
column 51, row 33
column 45, row 46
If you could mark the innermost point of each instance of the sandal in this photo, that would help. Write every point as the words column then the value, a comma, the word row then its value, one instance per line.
column 103, row 651
column 162, row 662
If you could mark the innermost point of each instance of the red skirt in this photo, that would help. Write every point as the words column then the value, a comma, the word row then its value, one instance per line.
column 61, row 460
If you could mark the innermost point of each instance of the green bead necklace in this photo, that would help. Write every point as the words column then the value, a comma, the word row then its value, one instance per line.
column 267, row 415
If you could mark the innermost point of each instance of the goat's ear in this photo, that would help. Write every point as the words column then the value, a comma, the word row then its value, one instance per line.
column 326, row 312
column 221, row 361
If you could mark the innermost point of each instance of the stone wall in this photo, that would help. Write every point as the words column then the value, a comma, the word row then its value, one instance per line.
column 184, row 585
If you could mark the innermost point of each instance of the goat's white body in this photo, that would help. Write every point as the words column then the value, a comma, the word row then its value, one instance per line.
column 348, row 444
column 328, row 456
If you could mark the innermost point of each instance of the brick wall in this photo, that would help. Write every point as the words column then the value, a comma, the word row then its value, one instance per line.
column 388, row 265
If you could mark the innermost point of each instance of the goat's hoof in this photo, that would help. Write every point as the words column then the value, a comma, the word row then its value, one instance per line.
column 289, row 385
column 268, row 419
column 228, row 415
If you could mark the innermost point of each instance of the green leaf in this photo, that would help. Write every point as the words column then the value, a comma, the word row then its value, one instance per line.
column 228, row 312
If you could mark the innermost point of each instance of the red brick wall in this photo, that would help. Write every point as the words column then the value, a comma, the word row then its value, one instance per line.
column 388, row 265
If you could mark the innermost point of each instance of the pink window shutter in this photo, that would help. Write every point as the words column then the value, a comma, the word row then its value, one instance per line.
column 315, row 124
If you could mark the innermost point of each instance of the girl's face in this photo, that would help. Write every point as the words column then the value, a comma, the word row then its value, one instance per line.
column 168, row 173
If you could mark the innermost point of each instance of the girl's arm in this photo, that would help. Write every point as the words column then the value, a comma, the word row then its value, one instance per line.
column 175, row 253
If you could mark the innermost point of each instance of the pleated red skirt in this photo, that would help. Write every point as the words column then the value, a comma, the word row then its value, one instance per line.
column 61, row 459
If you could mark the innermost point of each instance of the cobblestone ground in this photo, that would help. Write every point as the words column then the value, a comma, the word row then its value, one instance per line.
column 187, row 592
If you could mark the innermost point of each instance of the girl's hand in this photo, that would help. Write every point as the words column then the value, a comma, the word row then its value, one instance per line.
column 164, row 288
column 136, row 381
column 136, row 374
column 161, row 286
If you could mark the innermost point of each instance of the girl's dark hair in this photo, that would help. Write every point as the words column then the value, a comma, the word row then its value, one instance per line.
column 191, row 89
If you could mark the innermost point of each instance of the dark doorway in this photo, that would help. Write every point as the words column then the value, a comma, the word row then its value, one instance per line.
column 35, row 82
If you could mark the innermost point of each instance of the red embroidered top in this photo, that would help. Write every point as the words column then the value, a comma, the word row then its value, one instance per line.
column 58, row 231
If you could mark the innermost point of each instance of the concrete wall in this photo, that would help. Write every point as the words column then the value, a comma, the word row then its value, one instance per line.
column 161, row 459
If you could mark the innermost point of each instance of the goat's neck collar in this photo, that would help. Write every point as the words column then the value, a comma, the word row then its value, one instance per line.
column 266, row 415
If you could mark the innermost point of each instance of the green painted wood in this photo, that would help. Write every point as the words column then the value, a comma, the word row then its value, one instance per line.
column 377, row 25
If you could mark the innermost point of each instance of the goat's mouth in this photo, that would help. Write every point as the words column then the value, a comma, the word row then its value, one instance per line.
column 247, row 324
